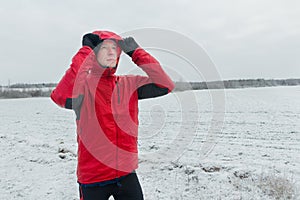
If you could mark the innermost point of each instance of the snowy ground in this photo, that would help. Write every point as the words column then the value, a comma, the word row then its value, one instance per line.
column 256, row 156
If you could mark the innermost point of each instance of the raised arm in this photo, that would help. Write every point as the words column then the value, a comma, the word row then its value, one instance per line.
column 62, row 95
column 64, row 88
column 158, row 83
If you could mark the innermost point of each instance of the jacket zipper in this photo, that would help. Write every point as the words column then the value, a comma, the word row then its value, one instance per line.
column 118, row 92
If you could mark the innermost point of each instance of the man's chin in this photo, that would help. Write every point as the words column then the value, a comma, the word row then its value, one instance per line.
column 112, row 65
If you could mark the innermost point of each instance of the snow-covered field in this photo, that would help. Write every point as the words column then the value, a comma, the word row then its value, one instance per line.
column 256, row 156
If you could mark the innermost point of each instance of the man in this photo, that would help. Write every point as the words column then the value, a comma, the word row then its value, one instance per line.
column 106, row 108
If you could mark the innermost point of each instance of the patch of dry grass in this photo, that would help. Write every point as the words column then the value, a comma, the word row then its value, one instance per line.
column 277, row 186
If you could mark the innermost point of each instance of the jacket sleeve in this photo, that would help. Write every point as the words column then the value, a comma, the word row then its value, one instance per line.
column 151, row 90
column 158, row 82
column 62, row 95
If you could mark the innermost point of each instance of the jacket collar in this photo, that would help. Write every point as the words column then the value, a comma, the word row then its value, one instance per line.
column 100, row 71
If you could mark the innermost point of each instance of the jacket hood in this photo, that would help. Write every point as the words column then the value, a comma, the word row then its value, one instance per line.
column 108, row 35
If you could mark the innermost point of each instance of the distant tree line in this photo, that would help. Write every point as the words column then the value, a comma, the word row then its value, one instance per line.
column 10, row 94
column 242, row 83
column 25, row 90
column 35, row 85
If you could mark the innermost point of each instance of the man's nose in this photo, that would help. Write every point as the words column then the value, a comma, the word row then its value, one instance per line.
column 111, row 51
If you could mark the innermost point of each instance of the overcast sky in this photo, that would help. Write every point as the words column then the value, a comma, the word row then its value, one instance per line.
column 245, row 39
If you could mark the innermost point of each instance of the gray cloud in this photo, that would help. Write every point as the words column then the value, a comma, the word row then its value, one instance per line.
column 246, row 39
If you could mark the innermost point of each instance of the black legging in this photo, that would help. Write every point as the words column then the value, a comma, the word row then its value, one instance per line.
column 128, row 188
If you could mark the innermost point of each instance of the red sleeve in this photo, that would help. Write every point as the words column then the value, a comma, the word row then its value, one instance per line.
column 64, row 88
column 152, row 68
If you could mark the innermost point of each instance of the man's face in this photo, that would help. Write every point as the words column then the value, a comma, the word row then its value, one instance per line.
column 107, row 54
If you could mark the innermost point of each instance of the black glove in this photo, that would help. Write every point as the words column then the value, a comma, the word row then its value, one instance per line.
column 128, row 45
column 91, row 40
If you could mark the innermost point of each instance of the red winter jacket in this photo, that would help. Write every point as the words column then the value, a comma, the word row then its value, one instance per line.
column 106, row 107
